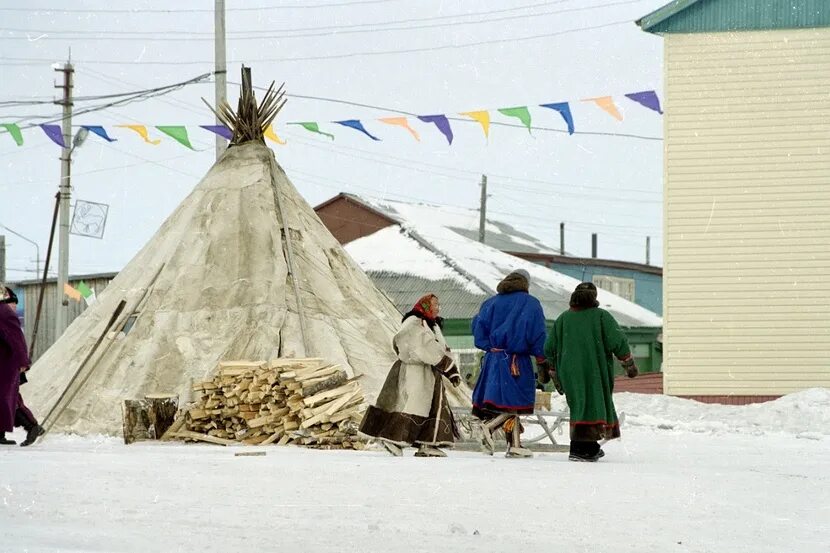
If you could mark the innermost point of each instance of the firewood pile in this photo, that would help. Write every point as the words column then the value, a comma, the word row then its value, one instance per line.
column 303, row 402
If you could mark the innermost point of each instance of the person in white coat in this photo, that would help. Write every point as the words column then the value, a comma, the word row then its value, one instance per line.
column 412, row 408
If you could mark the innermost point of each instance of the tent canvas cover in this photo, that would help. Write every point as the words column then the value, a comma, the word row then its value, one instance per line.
column 214, row 284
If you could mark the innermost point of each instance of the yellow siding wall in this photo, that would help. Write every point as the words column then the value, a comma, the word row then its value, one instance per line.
column 747, row 212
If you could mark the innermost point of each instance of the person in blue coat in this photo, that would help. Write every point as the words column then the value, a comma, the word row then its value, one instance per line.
column 510, row 328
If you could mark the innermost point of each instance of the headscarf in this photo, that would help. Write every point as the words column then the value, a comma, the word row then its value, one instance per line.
column 423, row 310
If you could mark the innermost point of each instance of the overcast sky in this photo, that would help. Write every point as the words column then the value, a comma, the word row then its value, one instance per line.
column 425, row 64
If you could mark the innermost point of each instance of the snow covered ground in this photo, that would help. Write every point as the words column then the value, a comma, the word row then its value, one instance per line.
column 686, row 477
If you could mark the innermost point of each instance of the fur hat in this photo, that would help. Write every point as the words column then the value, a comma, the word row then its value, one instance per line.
column 517, row 281
column 584, row 296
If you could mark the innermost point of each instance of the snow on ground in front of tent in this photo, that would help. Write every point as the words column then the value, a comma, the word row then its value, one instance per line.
column 685, row 477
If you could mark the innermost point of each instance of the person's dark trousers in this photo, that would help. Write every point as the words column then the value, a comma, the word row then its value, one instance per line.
column 23, row 416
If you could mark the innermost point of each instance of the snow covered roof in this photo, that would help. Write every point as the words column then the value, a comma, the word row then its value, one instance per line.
column 426, row 253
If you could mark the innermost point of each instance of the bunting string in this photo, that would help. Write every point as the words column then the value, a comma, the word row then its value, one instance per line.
column 441, row 122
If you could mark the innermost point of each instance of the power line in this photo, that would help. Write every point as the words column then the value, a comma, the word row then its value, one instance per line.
column 198, row 10
column 181, row 37
column 316, row 28
column 16, row 61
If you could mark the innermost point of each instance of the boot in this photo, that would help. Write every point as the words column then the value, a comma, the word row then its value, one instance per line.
column 4, row 441
column 33, row 434
column 429, row 451
column 394, row 449
column 487, row 432
column 515, row 449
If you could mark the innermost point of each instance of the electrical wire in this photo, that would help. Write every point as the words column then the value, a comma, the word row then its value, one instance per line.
column 199, row 10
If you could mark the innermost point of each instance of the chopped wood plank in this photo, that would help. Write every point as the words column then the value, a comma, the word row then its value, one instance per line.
column 284, row 440
column 250, row 454
column 329, row 394
column 203, row 437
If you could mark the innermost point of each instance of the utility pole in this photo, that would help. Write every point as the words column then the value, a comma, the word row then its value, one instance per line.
column 2, row 259
column 648, row 250
column 221, row 68
column 561, row 238
column 594, row 245
column 482, row 212
column 61, row 315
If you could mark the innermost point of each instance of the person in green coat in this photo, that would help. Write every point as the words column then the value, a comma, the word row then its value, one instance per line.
column 580, row 351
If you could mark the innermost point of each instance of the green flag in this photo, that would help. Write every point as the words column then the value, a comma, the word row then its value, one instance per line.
column 313, row 127
column 86, row 292
column 179, row 133
column 521, row 113
column 14, row 130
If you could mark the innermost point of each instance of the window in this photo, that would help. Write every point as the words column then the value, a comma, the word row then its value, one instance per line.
column 623, row 287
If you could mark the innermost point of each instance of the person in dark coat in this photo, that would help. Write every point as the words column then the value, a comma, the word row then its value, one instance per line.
column 580, row 351
column 14, row 361
column 510, row 328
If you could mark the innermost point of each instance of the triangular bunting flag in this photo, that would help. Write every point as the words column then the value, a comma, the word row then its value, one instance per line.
column 221, row 130
column 311, row 126
column 272, row 136
column 178, row 133
column 521, row 113
column 142, row 132
column 357, row 125
column 441, row 122
column 401, row 122
column 100, row 131
column 54, row 133
column 87, row 293
column 483, row 118
column 607, row 104
column 647, row 98
column 14, row 130
column 565, row 111
column 71, row 292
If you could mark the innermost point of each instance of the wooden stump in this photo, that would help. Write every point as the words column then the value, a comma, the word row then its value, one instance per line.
column 136, row 421
column 148, row 418
column 162, row 411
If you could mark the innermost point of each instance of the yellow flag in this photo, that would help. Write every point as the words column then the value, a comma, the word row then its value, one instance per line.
column 607, row 104
column 71, row 292
column 483, row 117
column 271, row 135
column 142, row 130
column 401, row 122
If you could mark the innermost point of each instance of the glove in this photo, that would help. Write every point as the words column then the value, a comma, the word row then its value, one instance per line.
column 543, row 370
column 556, row 382
column 629, row 366
column 455, row 380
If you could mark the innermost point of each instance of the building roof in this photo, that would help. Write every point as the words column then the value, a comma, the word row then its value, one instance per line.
column 420, row 255
column 709, row 16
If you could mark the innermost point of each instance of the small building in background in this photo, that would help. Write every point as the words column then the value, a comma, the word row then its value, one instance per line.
column 412, row 249
column 350, row 217
column 747, row 197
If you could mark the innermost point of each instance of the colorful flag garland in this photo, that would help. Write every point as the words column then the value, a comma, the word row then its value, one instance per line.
column 179, row 133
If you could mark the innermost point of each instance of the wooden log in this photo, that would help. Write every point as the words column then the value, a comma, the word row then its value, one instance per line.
column 333, row 381
column 161, row 409
column 177, row 425
column 135, row 421
column 249, row 454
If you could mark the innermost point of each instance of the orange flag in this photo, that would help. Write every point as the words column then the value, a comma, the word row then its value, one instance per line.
column 607, row 105
column 483, row 118
column 71, row 292
column 142, row 130
column 401, row 122
column 271, row 135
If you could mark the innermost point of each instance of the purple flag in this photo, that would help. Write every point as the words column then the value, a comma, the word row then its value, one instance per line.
column 565, row 111
column 221, row 130
column 54, row 132
column 357, row 125
column 99, row 131
column 441, row 122
column 647, row 98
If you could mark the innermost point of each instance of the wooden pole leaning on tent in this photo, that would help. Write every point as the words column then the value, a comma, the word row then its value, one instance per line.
column 116, row 321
